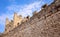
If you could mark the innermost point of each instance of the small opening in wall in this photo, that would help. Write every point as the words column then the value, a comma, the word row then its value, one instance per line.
column 27, row 16
column 44, row 6
column 18, row 23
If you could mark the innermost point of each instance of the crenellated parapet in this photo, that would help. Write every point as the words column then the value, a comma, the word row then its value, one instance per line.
column 45, row 23
column 17, row 20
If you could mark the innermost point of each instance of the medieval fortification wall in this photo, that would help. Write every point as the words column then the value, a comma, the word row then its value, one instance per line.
column 45, row 23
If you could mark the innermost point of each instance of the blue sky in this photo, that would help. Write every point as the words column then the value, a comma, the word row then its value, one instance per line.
column 22, row 7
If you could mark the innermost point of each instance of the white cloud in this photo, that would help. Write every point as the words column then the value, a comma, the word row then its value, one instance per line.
column 23, row 10
column 12, row 1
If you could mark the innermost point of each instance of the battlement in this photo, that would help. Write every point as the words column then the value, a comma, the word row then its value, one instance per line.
column 46, row 21
column 46, row 11
column 17, row 20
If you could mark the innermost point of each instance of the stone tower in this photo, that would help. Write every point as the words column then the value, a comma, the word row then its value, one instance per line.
column 10, row 25
column 7, row 21
column 17, row 19
column 6, row 25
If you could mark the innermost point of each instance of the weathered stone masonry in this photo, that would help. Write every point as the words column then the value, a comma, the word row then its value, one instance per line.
column 46, row 23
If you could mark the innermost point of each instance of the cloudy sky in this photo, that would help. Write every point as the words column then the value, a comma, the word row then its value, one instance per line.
column 22, row 7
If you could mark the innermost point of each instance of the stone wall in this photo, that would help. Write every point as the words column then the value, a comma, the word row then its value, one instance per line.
column 46, row 23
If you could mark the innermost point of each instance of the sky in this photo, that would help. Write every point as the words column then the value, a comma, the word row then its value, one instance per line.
column 22, row 7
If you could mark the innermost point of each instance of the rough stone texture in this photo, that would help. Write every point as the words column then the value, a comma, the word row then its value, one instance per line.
column 46, row 23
